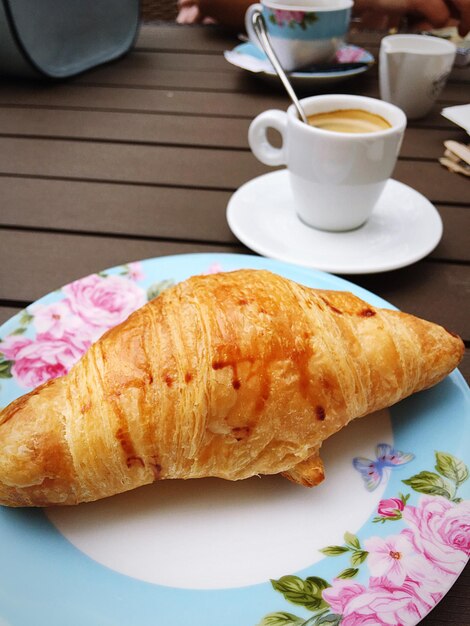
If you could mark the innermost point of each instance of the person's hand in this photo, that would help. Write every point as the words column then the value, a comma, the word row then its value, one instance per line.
column 189, row 12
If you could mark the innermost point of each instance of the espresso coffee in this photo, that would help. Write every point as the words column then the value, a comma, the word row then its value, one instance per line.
column 349, row 121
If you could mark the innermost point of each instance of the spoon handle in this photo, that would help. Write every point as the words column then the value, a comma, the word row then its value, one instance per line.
column 260, row 29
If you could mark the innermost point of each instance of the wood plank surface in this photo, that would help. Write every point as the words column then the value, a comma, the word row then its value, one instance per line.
column 135, row 211
column 6, row 312
column 185, row 130
column 76, row 97
column 220, row 83
column 156, row 212
column 52, row 260
column 170, row 36
column 127, row 163
column 454, row 245
column 69, row 96
column 432, row 180
column 162, row 165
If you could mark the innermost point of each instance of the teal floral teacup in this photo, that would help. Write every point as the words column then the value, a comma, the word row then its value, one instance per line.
column 302, row 33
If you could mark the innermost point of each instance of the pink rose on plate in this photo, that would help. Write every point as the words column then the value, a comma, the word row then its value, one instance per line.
column 104, row 302
column 39, row 360
column 55, row 319
column 391, row 508
column 387, row 604
column 440, row 531
column 12, row 345
column 380, row 604
column 341, row 593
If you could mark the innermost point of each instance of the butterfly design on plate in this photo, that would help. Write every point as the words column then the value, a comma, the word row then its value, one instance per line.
column 372, row 472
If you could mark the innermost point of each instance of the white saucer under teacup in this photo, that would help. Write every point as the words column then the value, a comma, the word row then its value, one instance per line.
column 403, row 228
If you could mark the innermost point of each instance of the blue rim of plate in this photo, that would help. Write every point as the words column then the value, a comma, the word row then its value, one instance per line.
column 46, row 580
column 250, row 49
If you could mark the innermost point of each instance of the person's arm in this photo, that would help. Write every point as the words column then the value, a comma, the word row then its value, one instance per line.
column 461, row 10
column 436, row 13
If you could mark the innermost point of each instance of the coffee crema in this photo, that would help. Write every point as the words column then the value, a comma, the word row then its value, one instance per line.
column 349, row 121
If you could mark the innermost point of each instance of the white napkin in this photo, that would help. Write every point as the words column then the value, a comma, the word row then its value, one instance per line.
column 459, row 114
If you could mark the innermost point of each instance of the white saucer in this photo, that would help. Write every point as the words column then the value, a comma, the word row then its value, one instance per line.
column 403, row 228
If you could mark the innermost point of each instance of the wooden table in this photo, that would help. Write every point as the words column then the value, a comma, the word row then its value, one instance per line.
column 139, row 158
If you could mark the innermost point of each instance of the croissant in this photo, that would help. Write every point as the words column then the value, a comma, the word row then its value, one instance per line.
column 228, row 375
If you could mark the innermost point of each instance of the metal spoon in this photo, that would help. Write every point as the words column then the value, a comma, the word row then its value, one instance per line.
column 259, row 26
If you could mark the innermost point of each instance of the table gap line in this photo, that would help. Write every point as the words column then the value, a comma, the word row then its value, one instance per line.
column 143, row 87
column 230, row 70
column 145, row 49
column 156, row 112
column 418, row 158
column 17, row 304
column 102, row 181
column 190, row 90
column 431, row 259
column 125, row 236
column 130, row 111
column 126, row 142
column 440, row 260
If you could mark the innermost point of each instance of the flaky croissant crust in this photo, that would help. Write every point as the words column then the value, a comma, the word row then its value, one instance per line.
column 229, row 375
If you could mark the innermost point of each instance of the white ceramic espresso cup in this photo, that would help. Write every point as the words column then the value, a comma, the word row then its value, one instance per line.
column 413, row 69
column 336, row 178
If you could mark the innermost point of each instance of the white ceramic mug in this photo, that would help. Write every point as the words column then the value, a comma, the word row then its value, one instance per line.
column 336, row 178
column 302, row 32
column 413, row 69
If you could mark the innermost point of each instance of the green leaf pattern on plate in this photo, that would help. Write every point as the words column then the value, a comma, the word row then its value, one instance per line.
column 401, row 582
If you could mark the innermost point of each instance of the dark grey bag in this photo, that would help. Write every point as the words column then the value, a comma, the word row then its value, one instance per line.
column 61, row 38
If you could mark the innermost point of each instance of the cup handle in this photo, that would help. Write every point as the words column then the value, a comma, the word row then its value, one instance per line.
column 253, row 37
column 263, row 150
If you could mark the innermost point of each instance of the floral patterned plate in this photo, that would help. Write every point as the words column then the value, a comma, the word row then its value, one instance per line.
column 378, row 543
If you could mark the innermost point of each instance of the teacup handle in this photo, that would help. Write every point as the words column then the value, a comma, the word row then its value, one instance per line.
column 263, row 150
column 253, row 37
